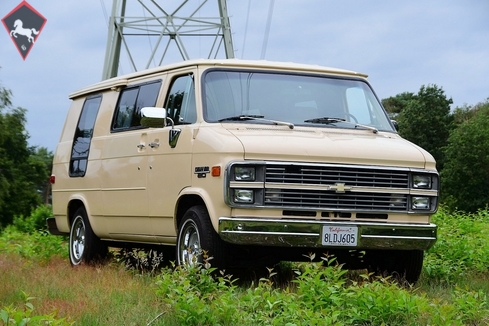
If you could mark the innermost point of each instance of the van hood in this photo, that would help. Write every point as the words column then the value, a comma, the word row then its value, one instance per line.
column 328, row 145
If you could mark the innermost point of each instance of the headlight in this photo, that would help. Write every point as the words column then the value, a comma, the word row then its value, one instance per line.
column 421, row 181
column 243, row 196
column 420, row 202
column 244, row 173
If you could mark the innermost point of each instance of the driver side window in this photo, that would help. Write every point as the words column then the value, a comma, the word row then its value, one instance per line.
column 180, row 104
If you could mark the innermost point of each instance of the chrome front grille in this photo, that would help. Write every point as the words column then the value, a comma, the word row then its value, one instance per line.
column 316, row 187
column 318, row 175
column 329, row 200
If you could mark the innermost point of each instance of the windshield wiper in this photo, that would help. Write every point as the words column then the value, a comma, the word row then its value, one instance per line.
column 257, row 117
column 242, row 117
column 327, row 120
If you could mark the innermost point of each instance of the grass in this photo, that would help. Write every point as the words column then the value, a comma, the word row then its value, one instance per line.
column 91, row 295
column 453, row 289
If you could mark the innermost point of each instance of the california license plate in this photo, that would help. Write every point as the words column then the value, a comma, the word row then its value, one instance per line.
column 340, row 236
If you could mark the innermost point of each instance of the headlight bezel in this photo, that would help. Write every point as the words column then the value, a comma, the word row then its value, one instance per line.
column 424, row 189
column 245, row 180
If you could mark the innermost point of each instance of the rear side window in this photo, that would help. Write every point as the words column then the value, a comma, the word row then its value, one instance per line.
column 83, row 136
column 131, row 101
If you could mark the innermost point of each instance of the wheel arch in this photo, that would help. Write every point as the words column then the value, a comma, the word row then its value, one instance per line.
column 73, row 206
column 184, row 203
column 195, row 196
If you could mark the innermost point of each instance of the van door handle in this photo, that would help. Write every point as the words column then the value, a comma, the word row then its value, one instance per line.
column 141, row 146
column 154, row 144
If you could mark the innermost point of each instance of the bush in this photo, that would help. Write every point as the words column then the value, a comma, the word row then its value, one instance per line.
column 35, row 222
column 40, row 245
column 321, row 294
column 462, row 246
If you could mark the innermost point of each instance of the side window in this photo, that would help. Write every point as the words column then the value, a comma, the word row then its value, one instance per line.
column 83, row 136
column 131, row 101
column 180, row 104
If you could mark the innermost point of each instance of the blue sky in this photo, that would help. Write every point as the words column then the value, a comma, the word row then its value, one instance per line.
column 401, row 45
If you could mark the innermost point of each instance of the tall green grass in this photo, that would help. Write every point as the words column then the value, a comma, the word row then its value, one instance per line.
column 38, row 283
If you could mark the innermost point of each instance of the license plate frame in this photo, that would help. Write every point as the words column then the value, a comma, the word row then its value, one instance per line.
column 339, row 236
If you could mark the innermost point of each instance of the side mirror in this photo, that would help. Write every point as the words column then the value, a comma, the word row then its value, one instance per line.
column 394, row 123
column 153, row 117
column 156, row 118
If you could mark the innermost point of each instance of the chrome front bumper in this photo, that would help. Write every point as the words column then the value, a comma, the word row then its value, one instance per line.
column 308, row 233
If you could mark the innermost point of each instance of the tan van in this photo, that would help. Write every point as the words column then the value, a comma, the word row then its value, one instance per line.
column 252, row 162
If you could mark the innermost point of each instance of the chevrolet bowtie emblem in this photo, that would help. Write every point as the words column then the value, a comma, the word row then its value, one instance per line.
column 340, row 187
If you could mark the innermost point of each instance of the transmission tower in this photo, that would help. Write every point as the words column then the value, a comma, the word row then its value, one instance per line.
column 162, row 28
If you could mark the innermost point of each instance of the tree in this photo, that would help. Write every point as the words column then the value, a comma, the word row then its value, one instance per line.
column 41, row 159
column 23, row 170
column 465, row 177
column 426, row 121
column 394, row 105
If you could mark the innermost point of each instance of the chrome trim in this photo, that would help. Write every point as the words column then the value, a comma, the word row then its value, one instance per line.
column 338, row 187
column 307, row 233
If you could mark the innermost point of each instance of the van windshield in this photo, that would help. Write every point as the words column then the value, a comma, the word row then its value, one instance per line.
column 301, row 100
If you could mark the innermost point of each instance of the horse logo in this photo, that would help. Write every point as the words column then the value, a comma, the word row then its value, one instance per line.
column 19, row 29
column 24, row 15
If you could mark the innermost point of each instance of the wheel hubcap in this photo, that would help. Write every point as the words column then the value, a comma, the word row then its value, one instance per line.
column 189, row 248
column 78, row 240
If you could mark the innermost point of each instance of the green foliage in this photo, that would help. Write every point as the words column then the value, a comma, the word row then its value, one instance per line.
column 394, row 105
column 36, row 221
column 321, row 294
column 465, row 178
column 462, row 247
column 23, row 170
column 28, row 237
column 191, row 294
column 426, row 121
column 12, row 316
column 39, row 245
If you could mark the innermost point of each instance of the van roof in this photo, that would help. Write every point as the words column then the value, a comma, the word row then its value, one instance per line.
column 120, row 81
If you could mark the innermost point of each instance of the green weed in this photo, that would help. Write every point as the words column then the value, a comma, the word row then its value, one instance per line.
column 12, row 316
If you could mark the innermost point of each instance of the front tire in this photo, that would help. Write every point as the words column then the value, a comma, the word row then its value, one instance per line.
column 197, row 241
column 85, row 246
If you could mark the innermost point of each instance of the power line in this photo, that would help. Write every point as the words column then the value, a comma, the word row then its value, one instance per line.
column 246, row 27
column 267, row 30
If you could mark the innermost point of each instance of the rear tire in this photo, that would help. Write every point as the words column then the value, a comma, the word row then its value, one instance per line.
column 403, row 265
column 85, row 246
column 197, row 238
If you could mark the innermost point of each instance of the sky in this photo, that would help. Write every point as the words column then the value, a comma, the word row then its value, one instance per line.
column 401, row 45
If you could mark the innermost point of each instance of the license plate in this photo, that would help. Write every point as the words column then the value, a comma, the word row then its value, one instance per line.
column 340, row 236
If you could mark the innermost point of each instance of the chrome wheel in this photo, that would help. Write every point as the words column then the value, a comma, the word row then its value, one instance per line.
column 77, row 240
column 85, row 246
column 198, row 242
column 189, row 249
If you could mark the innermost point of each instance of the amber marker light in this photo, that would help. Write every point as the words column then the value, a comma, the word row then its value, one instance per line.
column 216, row 171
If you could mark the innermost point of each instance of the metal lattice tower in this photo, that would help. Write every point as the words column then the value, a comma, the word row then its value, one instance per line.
column 163, row 29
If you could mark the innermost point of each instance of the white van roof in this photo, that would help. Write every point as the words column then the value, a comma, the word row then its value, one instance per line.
column 120, row 81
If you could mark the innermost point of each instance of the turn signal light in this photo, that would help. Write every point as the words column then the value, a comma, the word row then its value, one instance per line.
column 216, row 171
